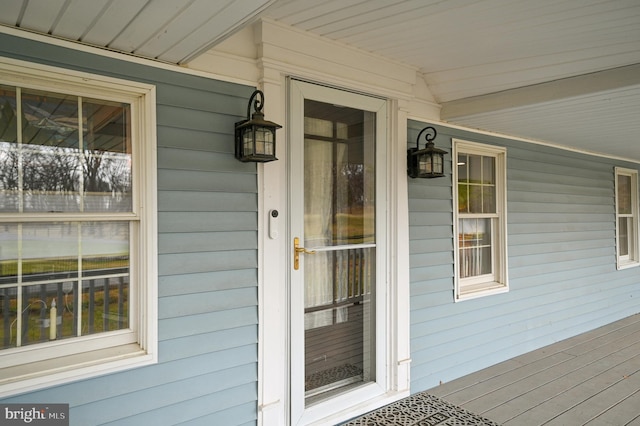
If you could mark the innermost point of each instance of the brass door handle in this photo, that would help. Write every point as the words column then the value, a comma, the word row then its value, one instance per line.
column 296, row 253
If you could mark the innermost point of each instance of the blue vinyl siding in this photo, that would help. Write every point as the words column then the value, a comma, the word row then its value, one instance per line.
column 562, row 264
column 207, row 247
column 561, row 245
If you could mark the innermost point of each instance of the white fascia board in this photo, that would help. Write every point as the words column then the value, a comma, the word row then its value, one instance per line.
column 571, row 87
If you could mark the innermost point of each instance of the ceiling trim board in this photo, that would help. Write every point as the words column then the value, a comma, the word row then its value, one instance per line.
column 571, row 87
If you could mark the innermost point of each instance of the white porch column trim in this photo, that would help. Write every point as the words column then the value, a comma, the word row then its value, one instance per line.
column 399, row 247
column 273, row 264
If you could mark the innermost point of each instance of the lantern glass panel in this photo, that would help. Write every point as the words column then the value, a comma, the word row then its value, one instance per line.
column 424, row 163
column 438, row 166
column 247, row 141
column 264, row 141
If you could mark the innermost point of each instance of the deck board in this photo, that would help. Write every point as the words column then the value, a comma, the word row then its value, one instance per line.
column 600, row 398
column 592, row 378
column 626, row 412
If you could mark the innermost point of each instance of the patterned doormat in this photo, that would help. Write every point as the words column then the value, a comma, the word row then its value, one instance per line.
column 420, row 409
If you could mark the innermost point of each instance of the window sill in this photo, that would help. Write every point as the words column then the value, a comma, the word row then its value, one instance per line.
column 480, row 290
column 37, row 375
column 627, row 265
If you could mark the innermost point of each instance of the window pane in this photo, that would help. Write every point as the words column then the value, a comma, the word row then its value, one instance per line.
column 474, row 232
column 41, row 321
column 8, row 316
column 488, row 170
column 105, row 248
column 475, row 247
column 463, row 164
column 475, row 261
column 463, row 198
column 475, row 169
column 105, row 265
column 51, row 168
column 9, row 177
column 107, row 304
column 624, row 194
column 107, row 156
column 8, row 121
column 54, row 168
column 50, row 179
column 54, row 262
column 49, row 251
column 624, row 229
column 489, row 199
column 49, row 119
column 480, row 195
column 38, row 312
column 8, row 253
column 8, row 151
column 33, row 313
column 475, row 199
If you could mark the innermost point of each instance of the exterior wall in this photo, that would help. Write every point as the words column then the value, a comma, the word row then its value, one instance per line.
column 561, row 237
column 207, row 202
column 562, row 263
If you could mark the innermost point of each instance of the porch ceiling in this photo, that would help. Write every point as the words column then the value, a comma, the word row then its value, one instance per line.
column 561, row 71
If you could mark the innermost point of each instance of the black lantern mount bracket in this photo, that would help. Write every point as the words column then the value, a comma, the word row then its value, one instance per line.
column 255, row 137
column 428, row 162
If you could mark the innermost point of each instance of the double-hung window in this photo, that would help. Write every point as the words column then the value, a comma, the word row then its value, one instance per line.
column 627, row 218
column 77, row 247
column 480, row 219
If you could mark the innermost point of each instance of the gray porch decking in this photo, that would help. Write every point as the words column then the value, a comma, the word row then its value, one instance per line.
column 592, row 378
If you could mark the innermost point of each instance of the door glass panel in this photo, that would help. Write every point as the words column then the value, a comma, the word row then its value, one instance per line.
column 339, row 225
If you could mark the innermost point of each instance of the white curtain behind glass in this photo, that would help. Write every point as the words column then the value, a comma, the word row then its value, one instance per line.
column 319, row 165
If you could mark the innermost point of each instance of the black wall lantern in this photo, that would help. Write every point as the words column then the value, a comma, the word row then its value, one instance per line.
column 427, row 162
column 256, row 137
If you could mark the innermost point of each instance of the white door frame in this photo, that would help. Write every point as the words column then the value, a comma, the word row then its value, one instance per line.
column 298, row 92
column 274, row 263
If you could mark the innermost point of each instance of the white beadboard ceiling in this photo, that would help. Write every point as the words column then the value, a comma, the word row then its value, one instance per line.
column 167, row 30
column 565, row 72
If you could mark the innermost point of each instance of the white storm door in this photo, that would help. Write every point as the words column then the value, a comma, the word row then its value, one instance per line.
column 337, row 285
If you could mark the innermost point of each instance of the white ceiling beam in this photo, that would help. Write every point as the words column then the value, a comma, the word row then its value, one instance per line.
column 571, row 87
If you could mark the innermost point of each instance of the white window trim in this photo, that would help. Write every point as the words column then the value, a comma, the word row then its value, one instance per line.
column 139, row 346
column 633, row 258
column 498, row 282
